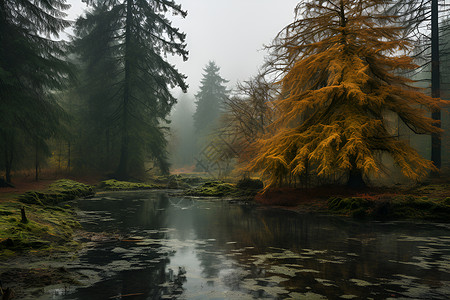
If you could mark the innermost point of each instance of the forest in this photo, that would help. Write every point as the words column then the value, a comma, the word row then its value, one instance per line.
column 348, row 115
column 336, row 102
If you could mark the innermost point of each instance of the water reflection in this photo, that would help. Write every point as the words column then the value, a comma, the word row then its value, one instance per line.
column 236, row 252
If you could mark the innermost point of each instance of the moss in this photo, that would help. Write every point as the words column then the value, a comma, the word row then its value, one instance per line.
column 213, row 189
column 115, row 185
column 49, row 228
column 432, row 188
column 397, row 207
column 446, row 201
column 348, row 204
column 245, row 189
column 59, row 191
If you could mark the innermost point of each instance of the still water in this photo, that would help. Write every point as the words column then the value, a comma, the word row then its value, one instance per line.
column 167, row 247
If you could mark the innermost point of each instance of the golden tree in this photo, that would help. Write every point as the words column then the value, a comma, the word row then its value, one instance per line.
column 340, row 64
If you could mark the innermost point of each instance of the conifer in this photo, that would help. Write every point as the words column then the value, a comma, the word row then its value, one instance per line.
column 126, row 43
column 32, row 69
column 210, row 99
column 340, row 65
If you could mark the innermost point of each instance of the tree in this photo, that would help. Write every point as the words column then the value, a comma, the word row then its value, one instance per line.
column 32, row 68
column 418, row 15
column 182, row 133
column 339, row 67
column 248, row 113
column 210, row 99
column 124, row 42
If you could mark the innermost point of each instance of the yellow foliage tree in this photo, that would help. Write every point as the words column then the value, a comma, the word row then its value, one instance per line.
column 340, row 64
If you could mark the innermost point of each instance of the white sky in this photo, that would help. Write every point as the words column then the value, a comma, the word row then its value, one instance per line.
column 230, row 32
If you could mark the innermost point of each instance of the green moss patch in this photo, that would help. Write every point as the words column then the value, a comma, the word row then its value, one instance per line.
column 213, row 189
column 393, row 207
column 115, row 185
column 59, row 191
column 48, row 229
column 243, row 189
column 157, row 182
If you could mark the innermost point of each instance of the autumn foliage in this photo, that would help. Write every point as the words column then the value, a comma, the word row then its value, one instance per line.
column 340, row 66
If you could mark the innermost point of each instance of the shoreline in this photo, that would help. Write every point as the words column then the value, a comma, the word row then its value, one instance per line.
column 42, row 264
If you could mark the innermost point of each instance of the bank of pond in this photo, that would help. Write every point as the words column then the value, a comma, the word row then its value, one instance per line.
column 50, row 221
column 46, row 223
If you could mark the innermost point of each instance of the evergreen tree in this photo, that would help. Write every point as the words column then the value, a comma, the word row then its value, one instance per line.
column 340, row 67
column 98, row 141
column 210, row 99
column 32, row 68
column 182, row 133
column 123, row 44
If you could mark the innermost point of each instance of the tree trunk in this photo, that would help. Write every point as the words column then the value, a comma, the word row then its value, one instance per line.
column 24, row 216
column 122, row 170
column 8, row 162
column 435, row 82
column 8, row 156
column 36, row 161
column 355, row 178
column 68, row 157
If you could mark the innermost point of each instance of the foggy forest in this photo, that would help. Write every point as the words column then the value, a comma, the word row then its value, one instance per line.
column 324, row 175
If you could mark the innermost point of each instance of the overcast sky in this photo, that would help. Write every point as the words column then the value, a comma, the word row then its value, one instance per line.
column 230, row 32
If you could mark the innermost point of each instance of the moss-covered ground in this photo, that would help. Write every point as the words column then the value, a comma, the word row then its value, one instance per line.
column 59, row 191
column 243, row 189
column 427, row 201
column 49, row 224
column 116, row 185
column 430, row 202
column 156, row 182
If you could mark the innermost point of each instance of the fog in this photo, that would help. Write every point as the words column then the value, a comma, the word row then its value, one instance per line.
column 232, row 33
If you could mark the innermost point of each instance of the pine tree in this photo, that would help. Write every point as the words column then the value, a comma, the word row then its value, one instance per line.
column 210, row 99
column 125, row 42
column 98, row 141
column 32, row 68
column 339, row 67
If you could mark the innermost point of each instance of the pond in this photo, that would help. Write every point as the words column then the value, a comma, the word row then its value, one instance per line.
column 169, row 247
